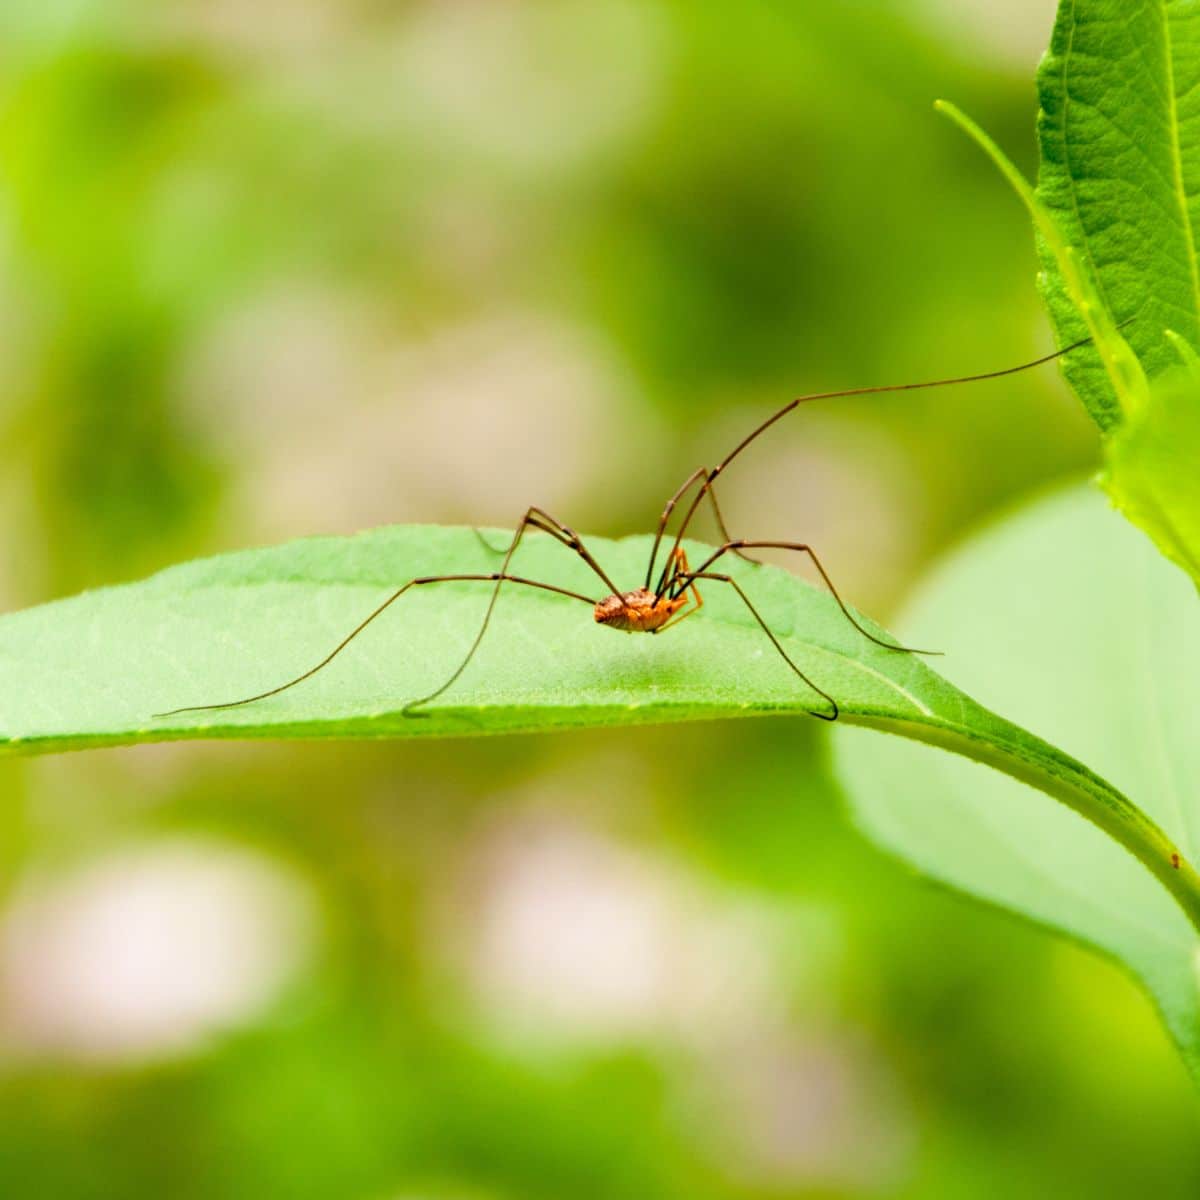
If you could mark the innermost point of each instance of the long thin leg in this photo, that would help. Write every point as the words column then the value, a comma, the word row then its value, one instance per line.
column 733, row 583
column 711, row 492
column 698, row 474
column 802, row 548
column 759, row 430
column 534, row 518
column 283, row 687
column 538, row 518
column 496, row 550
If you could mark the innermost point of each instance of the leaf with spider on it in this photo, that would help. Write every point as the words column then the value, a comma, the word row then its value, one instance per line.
column 86, row 671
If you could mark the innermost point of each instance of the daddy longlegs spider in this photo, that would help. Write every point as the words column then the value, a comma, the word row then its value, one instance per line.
column 674, row 596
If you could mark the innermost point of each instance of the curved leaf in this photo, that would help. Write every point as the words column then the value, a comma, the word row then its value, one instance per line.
column 91, row 670
column 1064, row 615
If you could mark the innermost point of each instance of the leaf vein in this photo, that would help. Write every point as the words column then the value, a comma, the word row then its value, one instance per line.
column 1177, row 155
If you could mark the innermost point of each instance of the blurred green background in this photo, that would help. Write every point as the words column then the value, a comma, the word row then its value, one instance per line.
column 298, row 267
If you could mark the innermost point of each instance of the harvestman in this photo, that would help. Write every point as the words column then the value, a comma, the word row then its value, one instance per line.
column 674, row 595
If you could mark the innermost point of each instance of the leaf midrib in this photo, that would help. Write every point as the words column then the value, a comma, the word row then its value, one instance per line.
column 1177, row 156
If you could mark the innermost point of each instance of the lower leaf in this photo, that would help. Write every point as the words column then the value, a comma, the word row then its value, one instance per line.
column 1066, row 616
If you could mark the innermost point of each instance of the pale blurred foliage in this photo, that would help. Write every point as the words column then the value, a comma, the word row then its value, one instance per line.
column 812, row 1106
column 1014, row 33
column 469, row 423
column 572, row 936
column 279, row 30
column 545, row 88
column 567, row 937
column 147, row 951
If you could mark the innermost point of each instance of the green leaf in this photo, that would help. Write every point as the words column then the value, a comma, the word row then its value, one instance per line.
column 90, row 671
column 1119, row 131
column 1153, row 468
column 1065, row 616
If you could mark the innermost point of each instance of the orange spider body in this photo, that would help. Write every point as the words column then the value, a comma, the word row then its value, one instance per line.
column 640, row 611
column 643, row 611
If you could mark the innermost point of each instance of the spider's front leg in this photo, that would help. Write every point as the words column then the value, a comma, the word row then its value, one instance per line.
column 680, row 570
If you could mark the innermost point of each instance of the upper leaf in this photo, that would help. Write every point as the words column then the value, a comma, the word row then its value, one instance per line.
column 1119, row 130
column 93, row 669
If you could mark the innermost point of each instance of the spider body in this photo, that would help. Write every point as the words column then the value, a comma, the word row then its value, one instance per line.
column 639, row 611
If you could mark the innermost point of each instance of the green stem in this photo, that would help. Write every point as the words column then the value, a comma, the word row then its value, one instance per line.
column 1124, row 371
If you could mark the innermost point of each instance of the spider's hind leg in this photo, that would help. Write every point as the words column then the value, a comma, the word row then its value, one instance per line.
column 733, row 583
